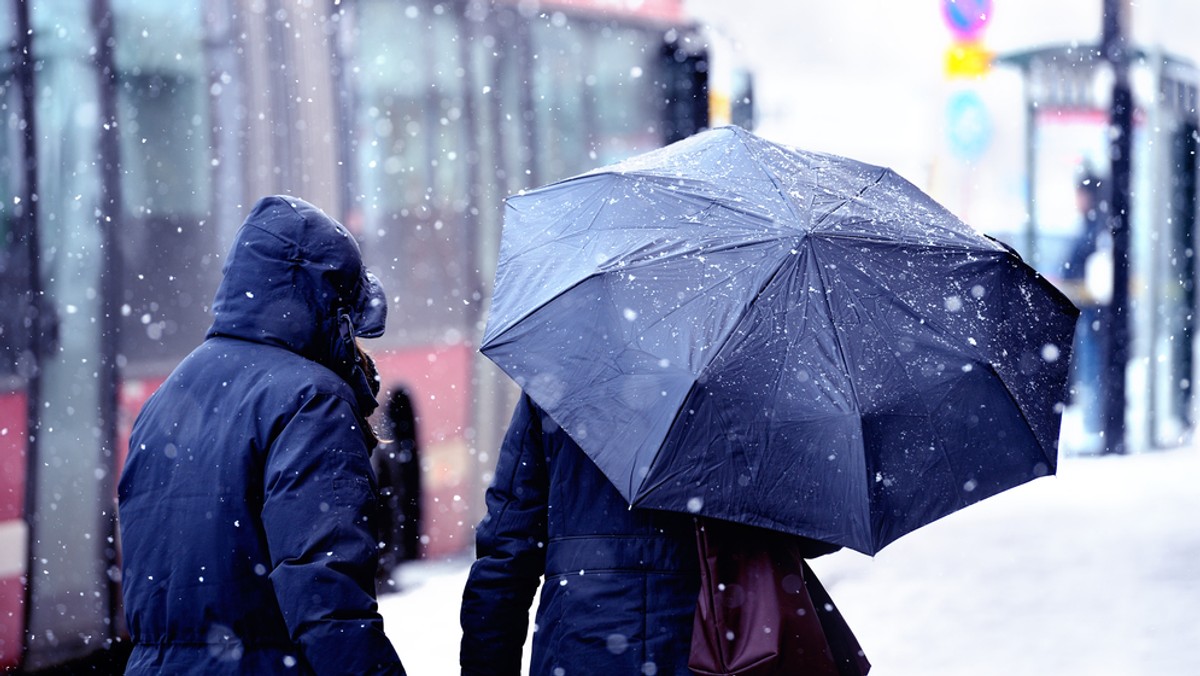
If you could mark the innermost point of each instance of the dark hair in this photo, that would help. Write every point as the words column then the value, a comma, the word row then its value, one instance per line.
column 373, row 380
column 1090, row 182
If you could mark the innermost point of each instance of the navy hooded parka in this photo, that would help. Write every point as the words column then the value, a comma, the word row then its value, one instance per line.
column 247, row 503
column 620, row 584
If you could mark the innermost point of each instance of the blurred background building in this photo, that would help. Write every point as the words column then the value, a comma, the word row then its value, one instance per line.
column 994, row 107
column 137, row 133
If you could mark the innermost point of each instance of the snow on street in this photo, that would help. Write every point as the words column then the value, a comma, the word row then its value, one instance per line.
column 1094, row 571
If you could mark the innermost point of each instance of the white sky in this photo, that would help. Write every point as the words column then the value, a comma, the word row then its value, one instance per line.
column 865, row 78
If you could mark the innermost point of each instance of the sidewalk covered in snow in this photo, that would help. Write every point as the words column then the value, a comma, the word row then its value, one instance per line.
column 1092, row 571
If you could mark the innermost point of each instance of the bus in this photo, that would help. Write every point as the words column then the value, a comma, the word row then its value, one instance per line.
column 137, row 135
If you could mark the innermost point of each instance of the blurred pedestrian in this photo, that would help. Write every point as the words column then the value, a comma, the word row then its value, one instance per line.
column 397, row 465
column 247, row 504
column 1086, row 279
column 620, row 586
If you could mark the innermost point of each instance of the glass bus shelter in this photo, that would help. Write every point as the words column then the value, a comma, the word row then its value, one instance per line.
column 1067, row 99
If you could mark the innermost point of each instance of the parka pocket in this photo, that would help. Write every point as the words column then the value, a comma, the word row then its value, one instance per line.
column 353, row 491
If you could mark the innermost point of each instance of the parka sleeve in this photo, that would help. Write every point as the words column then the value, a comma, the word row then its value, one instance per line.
column 510, row 545
column 318, row 516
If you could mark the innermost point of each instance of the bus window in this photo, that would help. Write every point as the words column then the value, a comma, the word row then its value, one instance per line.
column 685, row 86
column 14, row 256
column 167, row 240
column 392, row 73
column 67, row 489
column 594, row 94
column 16, row 290
column 624, row 66
column 563, row 97
column 411, row 144
column 741, row 103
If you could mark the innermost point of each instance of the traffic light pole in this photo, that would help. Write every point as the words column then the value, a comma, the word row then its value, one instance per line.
column 1116, row 320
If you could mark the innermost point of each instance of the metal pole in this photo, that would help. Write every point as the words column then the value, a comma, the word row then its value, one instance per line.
column 1030, row 167
column 39, row 312
column 1116, row 320
column 110, row 301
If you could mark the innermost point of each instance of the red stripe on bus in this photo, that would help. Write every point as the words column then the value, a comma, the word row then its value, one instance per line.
column 13, row 414
column 12, row 602
column 438, row 379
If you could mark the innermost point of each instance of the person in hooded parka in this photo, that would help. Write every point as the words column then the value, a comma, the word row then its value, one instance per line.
column 247, row 503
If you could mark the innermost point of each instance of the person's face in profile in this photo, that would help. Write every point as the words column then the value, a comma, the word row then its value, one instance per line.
column 1083, row 200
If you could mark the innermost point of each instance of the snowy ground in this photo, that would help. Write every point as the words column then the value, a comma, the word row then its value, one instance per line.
column 1093, row 572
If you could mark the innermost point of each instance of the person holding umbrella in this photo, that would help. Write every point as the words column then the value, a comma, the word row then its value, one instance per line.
column 620, row 585
column 1083, row 277
column 732, row 329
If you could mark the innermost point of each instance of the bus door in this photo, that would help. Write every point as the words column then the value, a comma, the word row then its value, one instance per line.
column 16, row 319
column 69, row 472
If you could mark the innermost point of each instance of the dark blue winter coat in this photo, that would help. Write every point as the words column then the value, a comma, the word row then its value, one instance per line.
column 247, row 500
column 620, row 585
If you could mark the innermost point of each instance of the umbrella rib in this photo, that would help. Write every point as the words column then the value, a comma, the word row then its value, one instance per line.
column 878, row 179
column 762, row 164
column 884, row 172
column 742, row 313
column 837, row 341
column 928, row 413
column 731, row 275
column 644, row 489
column 717, row 350
column 828, row 235
column 595, row 216
column 517, row 320
column 733, row 205
column 1021, row 411
column 974, row 351
column 541, row 244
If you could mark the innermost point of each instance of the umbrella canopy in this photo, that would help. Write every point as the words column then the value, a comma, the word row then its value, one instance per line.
column 780, row 338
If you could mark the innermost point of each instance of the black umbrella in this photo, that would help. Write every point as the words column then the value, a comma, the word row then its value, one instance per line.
column 780, row 338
